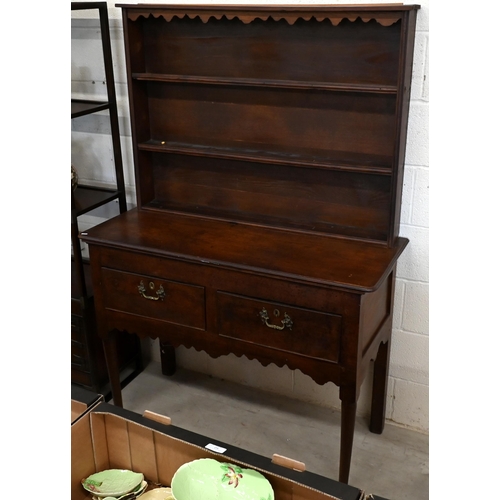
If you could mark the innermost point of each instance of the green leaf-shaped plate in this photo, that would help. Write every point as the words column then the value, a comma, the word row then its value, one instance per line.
column 112, row 482
column 209, row 479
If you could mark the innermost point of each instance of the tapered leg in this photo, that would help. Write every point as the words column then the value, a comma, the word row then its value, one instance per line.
column 348, row 419
column 167, row 357
column 111, row 354
column 380, row 378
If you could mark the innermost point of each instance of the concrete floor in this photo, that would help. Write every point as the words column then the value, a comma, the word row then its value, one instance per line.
column 394, row 465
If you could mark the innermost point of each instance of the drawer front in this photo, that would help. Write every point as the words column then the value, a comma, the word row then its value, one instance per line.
column 279, row 326
column 156, row 298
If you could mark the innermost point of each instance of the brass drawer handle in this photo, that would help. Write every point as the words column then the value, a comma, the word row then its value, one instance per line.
column 160, row 293
column 264, row 316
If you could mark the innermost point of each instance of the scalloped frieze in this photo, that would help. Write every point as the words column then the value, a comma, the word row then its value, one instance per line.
column 383, row 18
column 321, row 377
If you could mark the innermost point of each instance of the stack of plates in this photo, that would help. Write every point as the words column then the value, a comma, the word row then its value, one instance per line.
column 203, row 479
column 115, row 484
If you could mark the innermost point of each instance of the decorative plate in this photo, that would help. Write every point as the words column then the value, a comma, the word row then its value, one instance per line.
column 209, row 479
column 135, row 493
column 158, row 494
column 112, row 482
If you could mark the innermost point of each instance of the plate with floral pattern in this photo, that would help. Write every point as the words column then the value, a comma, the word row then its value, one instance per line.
column 112, row 482
column 212, row 480
column 131, row 495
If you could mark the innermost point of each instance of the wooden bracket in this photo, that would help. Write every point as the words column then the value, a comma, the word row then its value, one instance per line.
column 289, row 463
column 162, row 419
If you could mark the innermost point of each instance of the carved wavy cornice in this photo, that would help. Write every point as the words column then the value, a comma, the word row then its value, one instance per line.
column 385, row 17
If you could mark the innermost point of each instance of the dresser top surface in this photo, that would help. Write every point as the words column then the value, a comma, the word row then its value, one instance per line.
column 318, row 259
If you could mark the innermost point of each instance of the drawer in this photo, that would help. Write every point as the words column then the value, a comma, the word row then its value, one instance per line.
column 152, row 297
column 279, row 326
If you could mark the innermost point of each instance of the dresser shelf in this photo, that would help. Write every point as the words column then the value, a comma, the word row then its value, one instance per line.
column 254, row 82
column 341, row 161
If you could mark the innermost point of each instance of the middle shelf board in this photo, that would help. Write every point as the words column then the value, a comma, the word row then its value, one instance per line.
column 332, row 160
column 261, row 82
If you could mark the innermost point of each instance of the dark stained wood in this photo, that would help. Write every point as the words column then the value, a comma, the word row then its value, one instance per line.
column 283, row 119
column 279, row 326
column 161, row 299
column 167, row 359
column 376, row 309
column 277, row 195
column 348, row 420
column 304, row 51
column 305, row 257
column 312, row 303
column 266, row 83
column 380, row 378
column 403, row 107
column 275, row 155
column 110, row 350
column 268, row 147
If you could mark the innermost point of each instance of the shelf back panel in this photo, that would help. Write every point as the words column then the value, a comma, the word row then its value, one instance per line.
column 352, row 52
column 317, row 122
column 310, row 199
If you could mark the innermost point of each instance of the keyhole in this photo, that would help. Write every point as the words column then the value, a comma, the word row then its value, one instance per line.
column 151, row 285
column 276, row 312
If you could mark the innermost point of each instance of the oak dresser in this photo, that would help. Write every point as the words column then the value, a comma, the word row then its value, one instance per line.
column 269, row 146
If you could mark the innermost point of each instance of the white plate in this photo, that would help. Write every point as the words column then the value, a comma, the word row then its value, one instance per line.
column 158, row 494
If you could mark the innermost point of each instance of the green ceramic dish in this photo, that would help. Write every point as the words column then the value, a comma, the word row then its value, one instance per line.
column 112, row 482
column 131, row 495
column 209, row 479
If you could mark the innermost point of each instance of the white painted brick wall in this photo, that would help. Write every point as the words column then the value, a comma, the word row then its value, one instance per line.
column 408, row 391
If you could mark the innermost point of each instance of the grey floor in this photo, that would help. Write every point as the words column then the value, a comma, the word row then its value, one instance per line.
column 394, row 465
